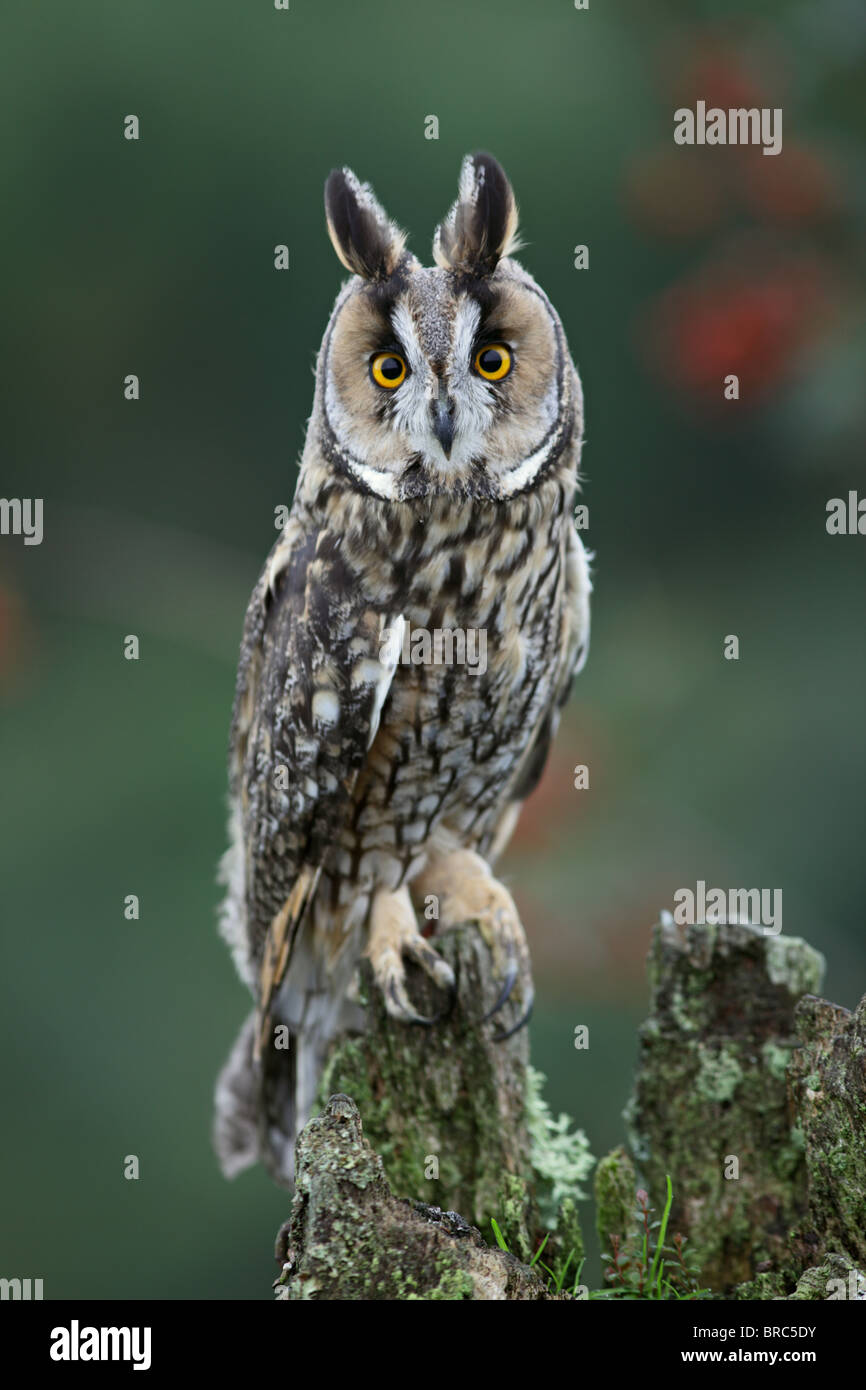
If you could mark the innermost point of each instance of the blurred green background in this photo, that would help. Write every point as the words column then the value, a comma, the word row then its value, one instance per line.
column 707, row 517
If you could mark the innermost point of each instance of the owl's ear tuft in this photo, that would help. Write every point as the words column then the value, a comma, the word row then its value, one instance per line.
column 367, row 242
column 481, row 227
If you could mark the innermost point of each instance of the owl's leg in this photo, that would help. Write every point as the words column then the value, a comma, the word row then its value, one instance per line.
column 393, row 937
column 467, row 892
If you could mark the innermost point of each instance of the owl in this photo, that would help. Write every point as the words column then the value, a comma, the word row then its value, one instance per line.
column 406, row 652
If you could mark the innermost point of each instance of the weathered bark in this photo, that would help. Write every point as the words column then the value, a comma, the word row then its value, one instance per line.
column 453, row 1122
column 444, row 1106
column 710, row 1105
column 614, row 1189
column 349, row 1238
column 827, row 1081
column 755, row 1104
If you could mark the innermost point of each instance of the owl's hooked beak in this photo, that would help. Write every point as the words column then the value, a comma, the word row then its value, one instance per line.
column 443, row 419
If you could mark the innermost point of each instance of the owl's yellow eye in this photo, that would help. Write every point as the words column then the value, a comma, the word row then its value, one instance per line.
column 493, row 362
column 387, row 369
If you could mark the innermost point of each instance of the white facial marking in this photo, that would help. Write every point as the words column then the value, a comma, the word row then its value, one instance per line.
column 412, row 400
column 381, row 481
column 473, row 400
column 520, row 477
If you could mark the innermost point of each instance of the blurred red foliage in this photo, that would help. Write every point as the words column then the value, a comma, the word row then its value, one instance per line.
column 761, row 298
column 797, row 187
column 711, row 64
column 749, row 315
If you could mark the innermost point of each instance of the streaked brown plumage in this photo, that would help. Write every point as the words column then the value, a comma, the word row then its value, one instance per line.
column 361, row 781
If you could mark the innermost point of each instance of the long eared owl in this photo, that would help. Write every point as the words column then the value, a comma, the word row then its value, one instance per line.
column 407, row 650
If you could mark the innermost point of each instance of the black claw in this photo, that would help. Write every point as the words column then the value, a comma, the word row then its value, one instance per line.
column 515, row 1028
column 426, row 959
column 448, row 1009
column 440, row 1013
column 452, row 1000
column 415, row 1018
column 505, row 992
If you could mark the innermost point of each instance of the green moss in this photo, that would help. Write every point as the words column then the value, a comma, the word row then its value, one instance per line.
column 788, row 1158
column 453, row 1284
column 569, row 1235
column 719, row 1073
column 822, row 1282
column 514, row 1203
column 442, row 1106
column 764, row 1286
column 350, row 1238
column 682, row 1010
column 775, row 1058
column 712, row 1085
column 615, row 1185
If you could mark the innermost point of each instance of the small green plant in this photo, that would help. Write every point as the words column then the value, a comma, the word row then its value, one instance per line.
column 537, row 1256
column 555, row 1277
column 500, row 1239
column 642, row 1266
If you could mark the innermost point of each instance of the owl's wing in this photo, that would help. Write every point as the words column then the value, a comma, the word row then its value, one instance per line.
column 316, row 666
column 572, row 654
column 574, row 648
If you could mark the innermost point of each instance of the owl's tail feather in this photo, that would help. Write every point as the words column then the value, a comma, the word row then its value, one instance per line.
column 262, row 1104
column 254, row 1109
column 235, row 1128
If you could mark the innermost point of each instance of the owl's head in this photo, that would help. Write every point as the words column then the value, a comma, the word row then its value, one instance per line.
column 451, row 380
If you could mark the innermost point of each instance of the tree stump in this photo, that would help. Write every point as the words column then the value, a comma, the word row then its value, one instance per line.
column 349, row 1238
column 827, row 1080
column 751, row 1093
column 444, row 1106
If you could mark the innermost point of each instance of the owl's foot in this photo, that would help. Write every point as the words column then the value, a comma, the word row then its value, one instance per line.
column 467, row 892
column 394, row 937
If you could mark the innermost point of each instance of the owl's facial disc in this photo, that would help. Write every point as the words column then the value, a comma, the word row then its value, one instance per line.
column 435, row 384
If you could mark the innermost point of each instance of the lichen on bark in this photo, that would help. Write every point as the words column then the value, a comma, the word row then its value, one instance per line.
column 751, row 1093
column 827, row 1081
column 444, row 1106
column 615, row 1186
column 710, row 1105
column 350, row 1238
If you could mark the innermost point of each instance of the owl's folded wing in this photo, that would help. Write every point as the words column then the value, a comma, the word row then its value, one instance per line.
column 316, row 666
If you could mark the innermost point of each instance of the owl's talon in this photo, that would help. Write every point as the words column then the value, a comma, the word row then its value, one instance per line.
column 439, row 971
column 503, row 932
column 505, row 992
column 394, row 939
column 521, row 1022
column 399, row 1006
column 452, row 1000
